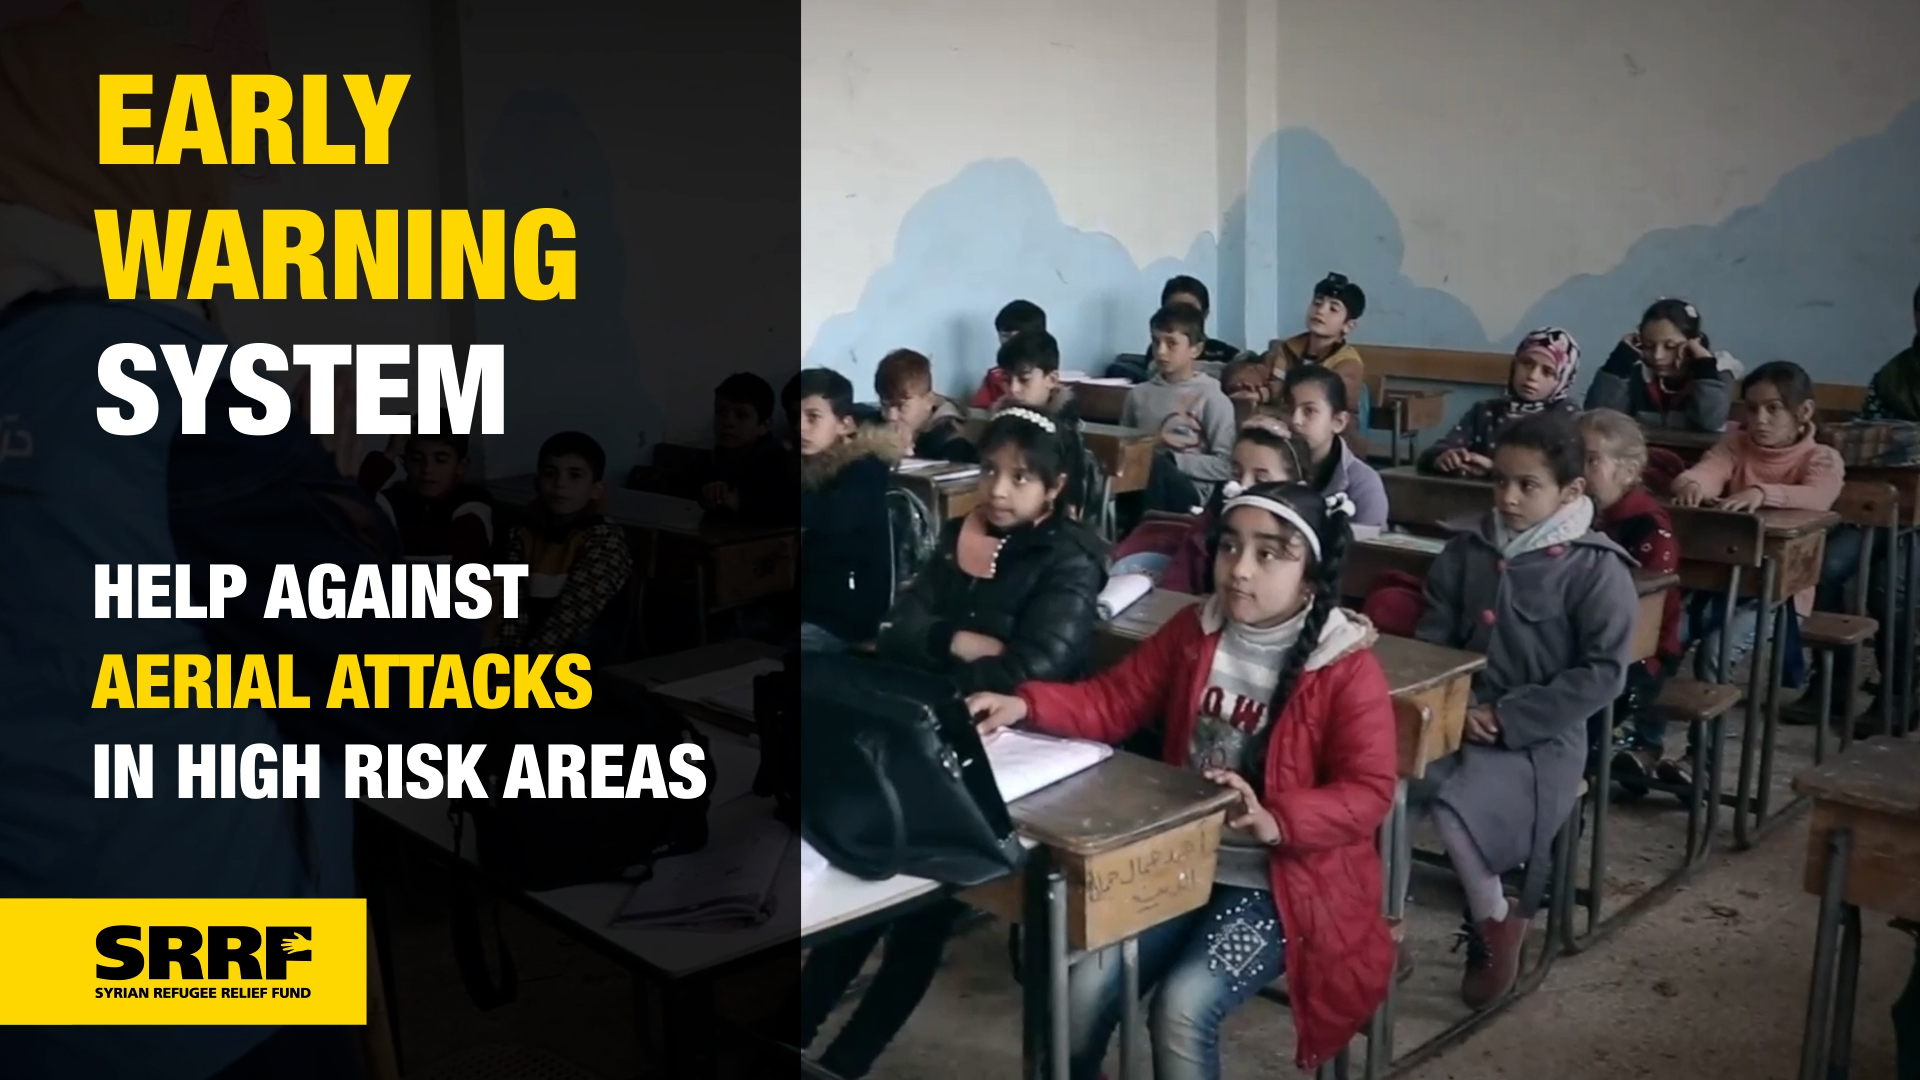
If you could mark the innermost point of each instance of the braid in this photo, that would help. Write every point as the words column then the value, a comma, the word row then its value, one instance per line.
column 1334, row 536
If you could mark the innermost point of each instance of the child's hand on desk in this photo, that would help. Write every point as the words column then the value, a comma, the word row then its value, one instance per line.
column 1745, row 501
column 1482, row 726
column 991, row 712
column 1253, row 817
column 1688, row 493
column 970, row 646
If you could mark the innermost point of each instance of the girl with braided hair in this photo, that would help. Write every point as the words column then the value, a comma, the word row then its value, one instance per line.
column 1268, row 688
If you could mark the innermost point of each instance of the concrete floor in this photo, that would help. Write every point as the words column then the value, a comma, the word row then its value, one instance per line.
column 1709, row 983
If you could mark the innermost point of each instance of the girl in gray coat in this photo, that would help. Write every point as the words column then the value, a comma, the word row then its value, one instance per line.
column 1551, row 604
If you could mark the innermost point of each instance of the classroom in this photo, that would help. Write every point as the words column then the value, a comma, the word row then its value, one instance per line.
column 1383, row 241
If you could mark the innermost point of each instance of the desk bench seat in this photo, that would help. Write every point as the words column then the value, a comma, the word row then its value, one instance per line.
column 1684, row 701
column 1831, row 630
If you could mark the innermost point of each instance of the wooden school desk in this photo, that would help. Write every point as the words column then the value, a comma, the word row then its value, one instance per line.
column 949, row 490
column 1795, row 541
column 1686, row 442
column 1120, row 848
column 1404, row 412
column 1863, row 851
column 1100, row 402
column 1126, row 454
column 1425, row 503
column 682, row 966
column 1904, row 545
column 732, row 563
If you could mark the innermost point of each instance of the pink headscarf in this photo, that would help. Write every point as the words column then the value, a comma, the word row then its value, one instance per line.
column 1558, row 346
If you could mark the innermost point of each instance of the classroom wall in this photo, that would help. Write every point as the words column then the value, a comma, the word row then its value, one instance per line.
column 1481, row 169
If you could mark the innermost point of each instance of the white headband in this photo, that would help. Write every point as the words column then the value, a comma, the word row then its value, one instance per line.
column 1337, row 503
column 1039, row 420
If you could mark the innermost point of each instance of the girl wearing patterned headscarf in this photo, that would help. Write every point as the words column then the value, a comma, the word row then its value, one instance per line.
column 1540, row 380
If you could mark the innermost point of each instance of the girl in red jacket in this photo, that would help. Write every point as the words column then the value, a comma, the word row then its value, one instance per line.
column 1270, row 689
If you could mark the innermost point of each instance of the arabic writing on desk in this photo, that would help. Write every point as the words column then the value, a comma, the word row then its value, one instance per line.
column 1142, row 869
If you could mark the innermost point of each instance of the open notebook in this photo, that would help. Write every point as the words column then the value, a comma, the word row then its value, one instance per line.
column 729, row 884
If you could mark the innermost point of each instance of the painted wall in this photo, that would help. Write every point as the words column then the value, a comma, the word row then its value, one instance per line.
column 1511, row 164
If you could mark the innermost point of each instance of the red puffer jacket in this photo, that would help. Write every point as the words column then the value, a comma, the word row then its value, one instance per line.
column 1330, row 776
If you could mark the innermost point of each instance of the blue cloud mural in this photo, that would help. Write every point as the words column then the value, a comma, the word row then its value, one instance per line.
column 1819, row 271
column 992, row 234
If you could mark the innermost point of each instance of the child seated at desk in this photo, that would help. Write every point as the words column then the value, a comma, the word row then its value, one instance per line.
column 1187, row 410
column 1666, row 374
column 931, row 424
column 1894, row 393
column 1271, row 689
column 1018, row 317
column 1627, row 512
column 1031, row 363
column 748, row 476
column 1551, row 604
column 1009, row 597
column 846, row 561
column 577, row 561
column 440, row 517
column 1332, row 316
column 1317, row 411
column 1773, row 461
column 1544, row 366
column 1192, row 292
column 1180, row 559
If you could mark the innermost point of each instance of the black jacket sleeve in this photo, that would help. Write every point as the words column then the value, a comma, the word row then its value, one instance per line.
column 1053, row 636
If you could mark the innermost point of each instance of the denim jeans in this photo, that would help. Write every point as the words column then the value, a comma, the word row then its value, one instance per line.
column 817, row 639
column 1700, row 624
column 1204, row 964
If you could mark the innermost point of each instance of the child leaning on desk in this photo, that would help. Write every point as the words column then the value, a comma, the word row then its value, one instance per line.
column 1010, row 596
column 1772, row 462
column 1271, row 689
column 1551, row 604
column 1544, row 366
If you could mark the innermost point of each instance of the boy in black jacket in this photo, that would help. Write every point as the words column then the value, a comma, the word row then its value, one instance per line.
column 930, row 425
column 846, row 562
column 1031, row 361
column 749, row 475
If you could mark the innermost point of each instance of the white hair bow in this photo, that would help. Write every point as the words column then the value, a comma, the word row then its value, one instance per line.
column 1338, row 503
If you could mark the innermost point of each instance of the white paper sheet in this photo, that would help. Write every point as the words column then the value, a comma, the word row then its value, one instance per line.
column 1122, row 592
column 1430, row 544
column 1024, row 762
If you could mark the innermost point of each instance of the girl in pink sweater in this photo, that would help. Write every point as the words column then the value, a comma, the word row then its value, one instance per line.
column 1771, row 462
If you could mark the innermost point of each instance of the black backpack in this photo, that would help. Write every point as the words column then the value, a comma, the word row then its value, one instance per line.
column 894, row 777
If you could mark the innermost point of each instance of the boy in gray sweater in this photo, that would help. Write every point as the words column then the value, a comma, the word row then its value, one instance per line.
column 1189, row 412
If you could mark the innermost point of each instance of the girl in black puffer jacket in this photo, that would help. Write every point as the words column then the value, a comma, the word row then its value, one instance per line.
column 1012, row 595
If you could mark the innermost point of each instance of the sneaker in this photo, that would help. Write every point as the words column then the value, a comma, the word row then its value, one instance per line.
column 1632, row 769
column 1675, row 771
column 1493, row 959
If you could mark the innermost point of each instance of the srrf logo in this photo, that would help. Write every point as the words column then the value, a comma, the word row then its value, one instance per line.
column 273, row 961
column 231, row 952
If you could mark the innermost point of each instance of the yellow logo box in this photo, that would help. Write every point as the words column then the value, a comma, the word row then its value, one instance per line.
column 183, row 961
